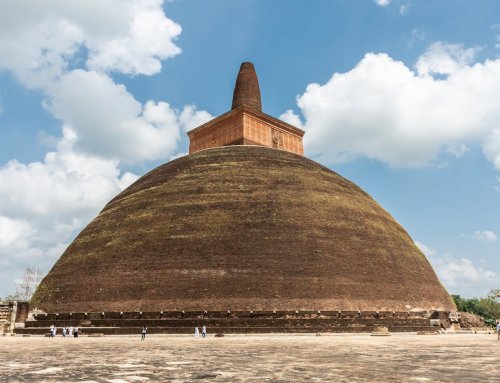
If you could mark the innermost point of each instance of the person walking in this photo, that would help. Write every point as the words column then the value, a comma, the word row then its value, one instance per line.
column 75, row 332
column 203, row 331
column 196, row 332
column 51, row 329
column 64, row 332
column 70, row 332
column 144, row 331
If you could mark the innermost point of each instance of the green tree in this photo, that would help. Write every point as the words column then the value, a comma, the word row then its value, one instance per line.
column 488, row 307
column 491, row 305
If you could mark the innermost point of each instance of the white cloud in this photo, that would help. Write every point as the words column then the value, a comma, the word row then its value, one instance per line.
column 66, row 184
column 11, row 231
column 457, row 150
column 417, row 36
column 460, row 272
column 428, row 252
column 137, row 132
column 191, row 118
column 67, row 50
column 403, row 9
column 496, row 28
column 460, row 276
column 290, row 117
column 148, row 40
column 44, row 204
column 492, row 148
column 39, row 39
column 485, row 236
column 384, row 110
column 444, row 59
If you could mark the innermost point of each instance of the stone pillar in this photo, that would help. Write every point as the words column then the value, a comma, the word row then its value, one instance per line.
column 13, row 314
column 22, row 314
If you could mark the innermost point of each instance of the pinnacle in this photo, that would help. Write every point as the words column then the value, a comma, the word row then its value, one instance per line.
column 246, row 89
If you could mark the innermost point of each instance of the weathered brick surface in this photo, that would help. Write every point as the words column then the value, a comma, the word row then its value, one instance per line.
column 218, row 322
column 242, row 228
column 22, row 311
column 247, row 90
column 244, row 126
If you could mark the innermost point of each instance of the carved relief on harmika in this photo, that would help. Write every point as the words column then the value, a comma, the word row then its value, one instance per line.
column 277, row 138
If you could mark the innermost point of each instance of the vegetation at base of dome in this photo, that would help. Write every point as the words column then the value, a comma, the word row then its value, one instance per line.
column 488, row 307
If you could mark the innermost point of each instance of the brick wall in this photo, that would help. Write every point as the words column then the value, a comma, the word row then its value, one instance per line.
column 245, row 127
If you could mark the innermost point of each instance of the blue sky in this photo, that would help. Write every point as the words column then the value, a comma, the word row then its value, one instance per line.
column 402, row 97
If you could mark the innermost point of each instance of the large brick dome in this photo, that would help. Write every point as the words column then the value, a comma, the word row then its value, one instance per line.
column 242, row 228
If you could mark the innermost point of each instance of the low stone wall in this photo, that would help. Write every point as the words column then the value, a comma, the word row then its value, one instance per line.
column 334, row 314
column 236, row 322
column 83, row 331
column 184, row 322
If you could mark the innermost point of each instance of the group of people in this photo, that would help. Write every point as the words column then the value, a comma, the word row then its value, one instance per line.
column 196, row 332
column 71, row 331
column 203, row 332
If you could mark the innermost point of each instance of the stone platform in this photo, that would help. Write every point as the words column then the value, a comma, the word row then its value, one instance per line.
column 238, row 322
column 259, row 358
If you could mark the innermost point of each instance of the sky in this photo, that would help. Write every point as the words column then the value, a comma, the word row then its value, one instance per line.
column 400, row 96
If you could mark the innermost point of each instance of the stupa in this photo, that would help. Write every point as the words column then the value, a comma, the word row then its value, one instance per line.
column 244, row 223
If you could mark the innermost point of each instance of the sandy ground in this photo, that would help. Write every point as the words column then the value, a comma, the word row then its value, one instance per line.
column 297, row 358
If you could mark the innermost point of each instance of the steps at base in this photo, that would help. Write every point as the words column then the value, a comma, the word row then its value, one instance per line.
column 231, row 322
column 223, row 330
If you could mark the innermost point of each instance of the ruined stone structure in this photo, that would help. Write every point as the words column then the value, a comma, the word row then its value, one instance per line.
column 13, row 315
column 247, row 234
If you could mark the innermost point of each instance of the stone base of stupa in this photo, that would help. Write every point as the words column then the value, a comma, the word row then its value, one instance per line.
column 232, row 322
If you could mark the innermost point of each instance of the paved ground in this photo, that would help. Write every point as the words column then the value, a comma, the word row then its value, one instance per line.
column 334, row 358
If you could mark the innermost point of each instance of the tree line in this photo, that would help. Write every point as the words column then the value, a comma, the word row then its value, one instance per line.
column 487, row 308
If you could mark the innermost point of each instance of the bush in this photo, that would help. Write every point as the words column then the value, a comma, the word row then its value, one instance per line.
column 488, row 308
